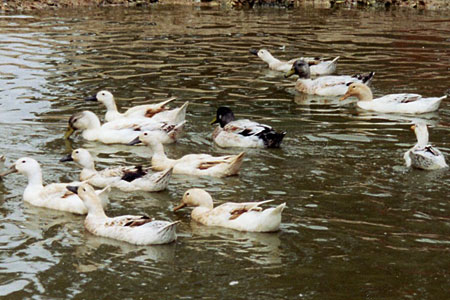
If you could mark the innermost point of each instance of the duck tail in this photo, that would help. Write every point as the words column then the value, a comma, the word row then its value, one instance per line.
column 181, row 112
column 334, row 61
column 279, row 209
column 273, row 139
column 162, row 179
column 104, row 195
column 235, row 164
column 164, row 103
column 177, row 130
column 168, row 226
column 366, row 78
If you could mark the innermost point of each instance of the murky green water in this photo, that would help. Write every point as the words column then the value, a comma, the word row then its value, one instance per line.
column 359, row 225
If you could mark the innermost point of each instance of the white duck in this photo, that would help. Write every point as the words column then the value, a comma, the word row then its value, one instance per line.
column 423, row 155
column 138, row 230
column 191, row 164
column 317, row 65
column 247, row 216
column 156, row 111
column 325, row 85
column 135, row 178
column 55, row 195
column 392, row 103
column 243, row 133
column 122, row 130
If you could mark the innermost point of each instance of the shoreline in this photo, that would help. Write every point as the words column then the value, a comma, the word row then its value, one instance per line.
column 31, row 5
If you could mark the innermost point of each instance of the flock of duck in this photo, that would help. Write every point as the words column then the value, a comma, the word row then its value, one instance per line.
column 155, row 125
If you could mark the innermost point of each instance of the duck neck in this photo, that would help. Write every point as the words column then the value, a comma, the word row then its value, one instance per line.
column 111, row 111
column 95, row 209
column 422, row 138
column 35, row 178
column 158, row 152
column 270, row 59
column 88, row 171
column 34, row 186
column 364, row 94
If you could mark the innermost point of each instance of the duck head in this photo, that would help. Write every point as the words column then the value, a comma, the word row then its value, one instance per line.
column 81, row 121
column 25, row 165
column 195, row 197
column 359, row 90
column 301, row 68
column 80, row 156
column 224, row 115
column 147, row 137
column 87, row 194
column 104, row 97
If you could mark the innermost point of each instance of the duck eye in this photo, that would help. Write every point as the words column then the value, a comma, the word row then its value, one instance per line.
column 103, row 94
column 24, row 161
column 146, row 133
column 187, row 194
column 76, row 152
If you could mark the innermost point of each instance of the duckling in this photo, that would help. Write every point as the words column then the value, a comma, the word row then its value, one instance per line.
column 392, row 103
column 55, row 195
column 243, row 133
column 324, row 85
column 317, row 65
column 138, row 230
column 135, row 178
column 423, row 155
column 191, row 164
column 156, row 111
column 120, row 131
column 247, row 216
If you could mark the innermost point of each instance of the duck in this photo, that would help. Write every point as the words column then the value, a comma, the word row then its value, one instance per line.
column 2, row 162
column 318, row 66
column 156, row 111
column 135, row 178
column 392, row 103
column 325, row 85
column 138, row 230
column 247, row 216
column 54, row 195
column 423, row 155
column 120, row 131
column 191, row 164
column 243, row 133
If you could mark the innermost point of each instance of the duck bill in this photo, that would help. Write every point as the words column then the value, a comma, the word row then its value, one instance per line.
column 179, row 206
column 66, row 158
column 93, row 98
column 72, row 188
column 254, row 51
column 214, row 121
column 345, row 96
column 413, row 128
column 69, row 132
column 134, row 142
column 289, row 73
column 11, row 169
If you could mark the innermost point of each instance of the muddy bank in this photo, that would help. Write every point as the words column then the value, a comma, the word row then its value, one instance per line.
column 27, row 5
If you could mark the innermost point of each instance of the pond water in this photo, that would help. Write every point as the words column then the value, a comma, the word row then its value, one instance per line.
column 358, row 223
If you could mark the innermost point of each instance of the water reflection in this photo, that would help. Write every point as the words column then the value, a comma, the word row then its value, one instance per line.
column 256, row 247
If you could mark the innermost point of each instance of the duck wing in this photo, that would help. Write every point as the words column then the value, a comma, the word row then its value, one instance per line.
column 128, row 221
column 55, row 190
column 400, row 98
column 235, row 210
